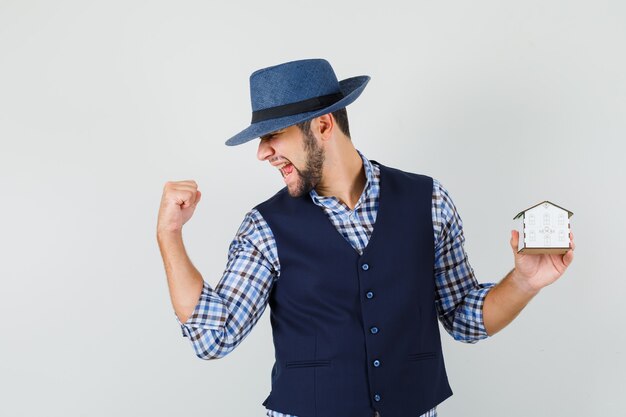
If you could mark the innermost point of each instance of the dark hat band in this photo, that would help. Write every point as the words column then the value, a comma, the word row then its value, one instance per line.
column 304, row 106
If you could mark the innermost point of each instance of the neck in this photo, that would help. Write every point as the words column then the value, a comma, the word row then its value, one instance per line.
column 343, row 175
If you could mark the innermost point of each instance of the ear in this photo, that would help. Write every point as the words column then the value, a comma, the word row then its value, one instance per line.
column 326, row 126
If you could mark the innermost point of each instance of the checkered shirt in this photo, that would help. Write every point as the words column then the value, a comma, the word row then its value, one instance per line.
column 225, row 315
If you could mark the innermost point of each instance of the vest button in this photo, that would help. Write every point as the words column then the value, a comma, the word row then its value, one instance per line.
column 369, row 294
column 376, row 397
column 365, row 267
column 376, row 363
column 374, row 330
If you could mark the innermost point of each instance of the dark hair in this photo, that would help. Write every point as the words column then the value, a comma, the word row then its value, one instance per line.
column 341, row 118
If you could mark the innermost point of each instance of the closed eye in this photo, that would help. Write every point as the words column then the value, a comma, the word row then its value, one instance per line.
column 271, row 135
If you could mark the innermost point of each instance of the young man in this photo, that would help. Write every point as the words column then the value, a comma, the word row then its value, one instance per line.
column 357, row 260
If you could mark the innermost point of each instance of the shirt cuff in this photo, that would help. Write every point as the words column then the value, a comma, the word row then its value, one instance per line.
column 470, row 316
column 210, row 314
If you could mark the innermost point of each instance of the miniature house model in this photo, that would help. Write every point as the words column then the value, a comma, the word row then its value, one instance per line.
column 544, row 228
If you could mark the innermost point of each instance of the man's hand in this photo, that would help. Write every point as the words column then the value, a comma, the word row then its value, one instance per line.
column 178, row 203
column 533, row 272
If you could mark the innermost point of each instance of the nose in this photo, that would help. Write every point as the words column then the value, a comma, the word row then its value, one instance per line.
column 265, row 150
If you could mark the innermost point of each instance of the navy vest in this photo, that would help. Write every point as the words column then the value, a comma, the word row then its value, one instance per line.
column 354, row 334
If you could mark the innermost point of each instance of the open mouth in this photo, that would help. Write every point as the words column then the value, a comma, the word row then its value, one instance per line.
column 285, row 169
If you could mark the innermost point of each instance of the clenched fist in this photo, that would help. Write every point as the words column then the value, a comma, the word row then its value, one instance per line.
column 178, row 203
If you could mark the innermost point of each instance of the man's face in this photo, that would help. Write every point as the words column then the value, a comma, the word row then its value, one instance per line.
column 298, row 157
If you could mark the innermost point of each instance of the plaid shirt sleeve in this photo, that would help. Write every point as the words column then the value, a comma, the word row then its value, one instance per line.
column 460, row 297
column 224, row 316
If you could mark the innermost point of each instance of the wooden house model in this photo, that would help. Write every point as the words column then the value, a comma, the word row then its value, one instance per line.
column 544, row 228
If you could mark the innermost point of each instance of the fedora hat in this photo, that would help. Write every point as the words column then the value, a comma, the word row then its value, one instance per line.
column 294, row 92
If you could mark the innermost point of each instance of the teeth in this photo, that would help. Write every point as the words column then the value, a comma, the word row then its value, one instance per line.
column 280, row 168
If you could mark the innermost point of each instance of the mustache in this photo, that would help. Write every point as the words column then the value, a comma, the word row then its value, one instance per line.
column 278, row 159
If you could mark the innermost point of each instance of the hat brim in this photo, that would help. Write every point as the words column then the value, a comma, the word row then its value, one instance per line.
column 351, row 89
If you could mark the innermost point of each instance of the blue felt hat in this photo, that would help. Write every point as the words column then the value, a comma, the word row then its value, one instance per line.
column 290, row 93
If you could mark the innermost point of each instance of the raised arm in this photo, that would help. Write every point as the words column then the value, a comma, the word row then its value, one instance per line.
column 178, row 204
column 217, row 320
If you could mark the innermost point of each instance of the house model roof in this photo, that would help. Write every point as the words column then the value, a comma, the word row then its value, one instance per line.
column 569, row 213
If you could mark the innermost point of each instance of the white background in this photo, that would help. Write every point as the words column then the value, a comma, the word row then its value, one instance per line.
column 506, row 103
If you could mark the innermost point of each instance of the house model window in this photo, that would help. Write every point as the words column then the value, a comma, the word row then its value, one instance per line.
column 550, row 235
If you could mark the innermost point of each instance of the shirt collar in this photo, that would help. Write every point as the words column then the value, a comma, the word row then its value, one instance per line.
column 333, row 202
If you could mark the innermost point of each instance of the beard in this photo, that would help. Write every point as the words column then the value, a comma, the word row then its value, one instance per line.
column 310, row 176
